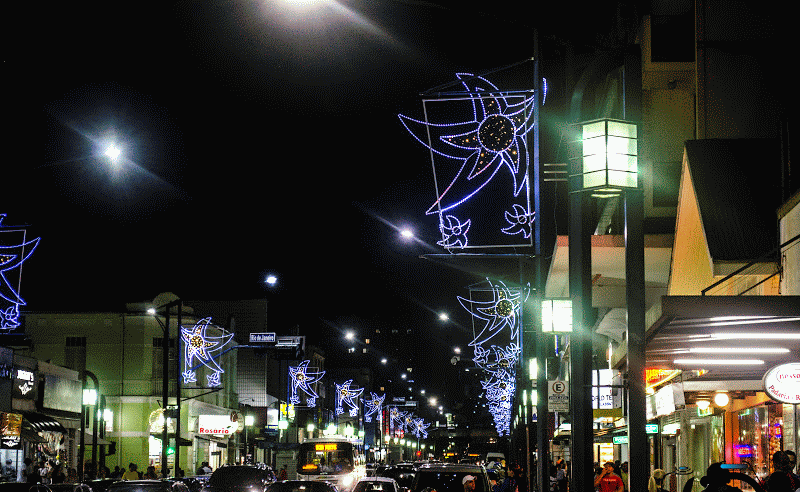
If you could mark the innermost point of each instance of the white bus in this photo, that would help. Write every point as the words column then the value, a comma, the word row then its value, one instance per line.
column 331, row 459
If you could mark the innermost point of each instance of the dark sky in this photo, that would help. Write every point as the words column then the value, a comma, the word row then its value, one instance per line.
column 257, row 138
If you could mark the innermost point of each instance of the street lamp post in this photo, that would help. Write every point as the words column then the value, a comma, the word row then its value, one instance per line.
column 165, row 386
column 607, row 166
column 88, row 400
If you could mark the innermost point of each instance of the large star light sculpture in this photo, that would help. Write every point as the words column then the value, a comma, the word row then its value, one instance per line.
column 12, row 257
column 372, row 406
column 345, row 395
column 198, row 344
column 500, row 314
column 420, row 428
column 497, row 346
column 396, row 419
column 301, row 377
column 490, row 139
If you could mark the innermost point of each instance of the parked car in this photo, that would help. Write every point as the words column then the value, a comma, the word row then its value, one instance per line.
column 239, row 478
column 371, row 469
column 91, row 486
column 302, row 486
column 376, row 484
column 449, row 478
column 402, row 473
column 163, row 485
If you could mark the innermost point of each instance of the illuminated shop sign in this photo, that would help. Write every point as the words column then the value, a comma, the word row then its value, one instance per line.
column 782, row 383
column 216, row 425
column 10, row 426
column 25, row 384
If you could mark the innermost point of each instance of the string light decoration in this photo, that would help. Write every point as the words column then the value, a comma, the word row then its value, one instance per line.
column 12, row 256
column 396, row 419
column 479, row 152
column 373, row 406
column 497, row 347
column 198, row 344
column 420, row 428
column 301, row 377
column 345, row 395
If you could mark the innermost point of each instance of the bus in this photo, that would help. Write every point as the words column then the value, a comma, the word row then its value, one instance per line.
column 331, row 459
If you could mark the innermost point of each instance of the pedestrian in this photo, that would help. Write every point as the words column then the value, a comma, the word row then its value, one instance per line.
column 782, row 477
column 623, row 468
column 44, row 471
column 656, row 482
column 31, row 473
column 131, row 473
column 151, row 473
column 469, row 483
column 10, row 471
column 509, row 483
column 57, row 474
column 791, row 464
column 608, row 481
column 117, row 473
column 562, row 483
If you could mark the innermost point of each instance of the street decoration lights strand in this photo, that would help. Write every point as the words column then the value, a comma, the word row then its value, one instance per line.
column 199, row 344
column 490, row 140
column 372, row 406
column 497, row 346
column 12, row 256
column 345, row 395
column 301, row 377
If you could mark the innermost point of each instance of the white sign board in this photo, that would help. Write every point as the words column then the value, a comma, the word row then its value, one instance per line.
column 557, row 396
column 220, row 425
column 782, row 383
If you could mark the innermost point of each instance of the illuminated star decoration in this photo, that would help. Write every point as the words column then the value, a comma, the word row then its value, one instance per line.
column 520, row 221
column 198, row 344
column 347, row 396
column 373, row 406
column 498, row 313
column 454, row 233
column 497, row 347
column 12, row 257
column 396, row 419
column 301, row 378
column 420, row 428
column 492, row 137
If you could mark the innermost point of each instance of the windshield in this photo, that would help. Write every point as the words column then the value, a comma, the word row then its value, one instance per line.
column 374, row 486
column 298, row 486
column 325, row 458
column 446, row 481
column 227, row 476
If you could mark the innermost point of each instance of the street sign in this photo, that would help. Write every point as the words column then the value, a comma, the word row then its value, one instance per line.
column 262, row 338
column 620, row 439
column 557, row 396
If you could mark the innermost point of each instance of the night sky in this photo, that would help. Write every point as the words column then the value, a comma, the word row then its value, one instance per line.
column 258, row 137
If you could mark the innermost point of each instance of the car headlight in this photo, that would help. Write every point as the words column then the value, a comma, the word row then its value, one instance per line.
column 347, row 480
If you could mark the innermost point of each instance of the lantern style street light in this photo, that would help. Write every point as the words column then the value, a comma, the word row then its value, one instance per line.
column 609, row 159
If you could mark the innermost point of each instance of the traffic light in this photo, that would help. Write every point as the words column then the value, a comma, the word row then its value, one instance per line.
column 171, row 450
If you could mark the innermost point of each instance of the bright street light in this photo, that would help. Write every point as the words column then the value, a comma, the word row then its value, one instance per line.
column 112, row 151
column 443, row 317
column 349, row 335
column 271, row 280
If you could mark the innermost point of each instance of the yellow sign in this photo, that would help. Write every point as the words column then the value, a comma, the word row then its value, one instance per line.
column 325, row 447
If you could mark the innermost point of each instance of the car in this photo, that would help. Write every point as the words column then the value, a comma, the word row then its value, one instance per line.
column 371, row 469
column 402, row 473
column 449, row 478
column 376, row 484
column 302, row 486
column 234, row 478
column 162, row 485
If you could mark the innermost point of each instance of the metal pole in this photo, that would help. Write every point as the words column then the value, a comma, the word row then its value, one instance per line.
column 165, row 395
column 178, row 390
column 580, row 268
column 82, row 445
column 639, row 466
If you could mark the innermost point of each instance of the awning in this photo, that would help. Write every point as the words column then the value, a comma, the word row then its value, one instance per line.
column 692, row 332
column 43, row 423
column 28, row 434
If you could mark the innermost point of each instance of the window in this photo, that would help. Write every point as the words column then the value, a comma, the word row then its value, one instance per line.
column 75, row 353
